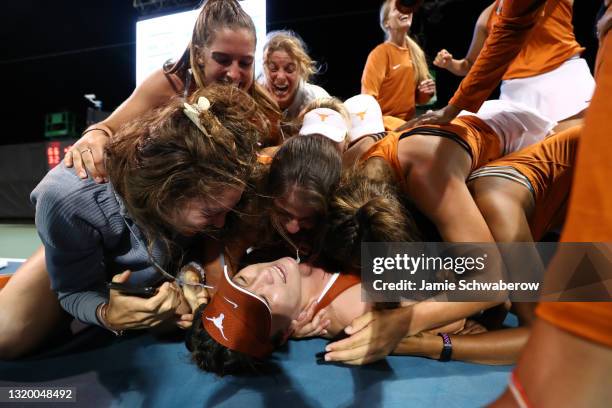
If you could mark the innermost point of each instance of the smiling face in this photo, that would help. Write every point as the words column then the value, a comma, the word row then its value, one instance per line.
column 282, row 77
column 396, row 20
column 229, row 58
column 198, row 213
column 279, row 285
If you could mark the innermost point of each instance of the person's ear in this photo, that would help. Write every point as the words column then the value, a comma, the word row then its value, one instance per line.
column 199, row 52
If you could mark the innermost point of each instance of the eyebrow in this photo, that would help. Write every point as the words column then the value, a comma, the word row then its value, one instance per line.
column 282, row 209
column 235, row 278
column 225, row 54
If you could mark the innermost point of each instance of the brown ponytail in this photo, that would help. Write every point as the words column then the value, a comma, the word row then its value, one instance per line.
column 364, row 210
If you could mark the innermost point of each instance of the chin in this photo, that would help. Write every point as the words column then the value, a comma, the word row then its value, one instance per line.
column 284, row 102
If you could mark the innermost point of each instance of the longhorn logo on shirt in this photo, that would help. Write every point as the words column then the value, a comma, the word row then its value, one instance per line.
column 218, row 322
column 361, row 114
column 323, row 116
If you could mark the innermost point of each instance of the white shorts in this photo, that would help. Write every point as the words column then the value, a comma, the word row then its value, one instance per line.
column 558, row 94
column 517, row 125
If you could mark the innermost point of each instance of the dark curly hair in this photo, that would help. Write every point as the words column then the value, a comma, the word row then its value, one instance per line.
column 213, row 357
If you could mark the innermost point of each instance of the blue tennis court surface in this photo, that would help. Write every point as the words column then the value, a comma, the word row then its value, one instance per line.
column 12, row 265
column 143, row 371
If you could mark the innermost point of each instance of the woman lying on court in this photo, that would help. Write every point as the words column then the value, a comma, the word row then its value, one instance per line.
column 255, row 311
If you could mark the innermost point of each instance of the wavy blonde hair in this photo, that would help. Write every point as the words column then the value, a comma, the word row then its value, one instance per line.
column 292, row 44
column 417, row 55
column 332, row 103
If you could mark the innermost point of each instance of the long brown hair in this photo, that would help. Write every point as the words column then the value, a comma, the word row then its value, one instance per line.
column 312, row 166
column 215, row 15
column 366, row 210
column 161, row 159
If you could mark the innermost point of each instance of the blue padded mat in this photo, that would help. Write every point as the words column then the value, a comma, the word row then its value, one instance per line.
column 142, row 371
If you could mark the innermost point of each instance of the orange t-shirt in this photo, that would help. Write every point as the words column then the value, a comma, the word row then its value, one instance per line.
column 479, row 140
column 548, row 166
column 390, row 78
column 342, row 283
column 589, row 217
column 503, row 44
column 550, row 44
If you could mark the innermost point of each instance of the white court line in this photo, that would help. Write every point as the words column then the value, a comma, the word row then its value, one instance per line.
column 12, row 259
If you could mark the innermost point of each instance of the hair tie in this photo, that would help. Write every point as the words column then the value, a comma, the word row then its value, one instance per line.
column 193, row 111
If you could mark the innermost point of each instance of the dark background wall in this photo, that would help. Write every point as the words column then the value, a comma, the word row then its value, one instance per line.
column 54, row 52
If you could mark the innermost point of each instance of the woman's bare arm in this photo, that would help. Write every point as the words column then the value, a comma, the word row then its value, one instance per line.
column 461, row 67
column 87, row 154
column 493, row 347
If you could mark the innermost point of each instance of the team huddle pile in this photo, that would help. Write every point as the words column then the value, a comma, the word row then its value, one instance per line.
column 260, row 193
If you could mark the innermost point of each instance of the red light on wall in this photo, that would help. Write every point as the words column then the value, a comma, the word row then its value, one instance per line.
column 53, row 154
column 56, row 151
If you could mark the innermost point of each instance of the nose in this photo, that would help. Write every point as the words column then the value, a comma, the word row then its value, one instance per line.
column 292, row 226
column 280, row 74
column 233, row 74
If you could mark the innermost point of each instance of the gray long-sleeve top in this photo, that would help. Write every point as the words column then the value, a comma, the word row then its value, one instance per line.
column 83, row 226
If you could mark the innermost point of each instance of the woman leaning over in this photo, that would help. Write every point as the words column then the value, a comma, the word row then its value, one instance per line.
column 173, row 175
column 221, row 50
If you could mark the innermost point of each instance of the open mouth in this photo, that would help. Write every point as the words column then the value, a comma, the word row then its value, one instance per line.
column 280, row 90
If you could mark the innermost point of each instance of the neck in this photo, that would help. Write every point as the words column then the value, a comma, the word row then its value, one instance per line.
column 398, row 37
column 313, row 283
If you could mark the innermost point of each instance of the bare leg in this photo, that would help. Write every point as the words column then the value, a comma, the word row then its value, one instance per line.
column 567, row 123
column 29, row 309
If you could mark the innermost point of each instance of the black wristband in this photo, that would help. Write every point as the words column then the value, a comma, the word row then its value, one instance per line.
column 447, row 347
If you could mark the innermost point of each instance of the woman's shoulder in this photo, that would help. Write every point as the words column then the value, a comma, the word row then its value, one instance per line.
column 313, row 91
column 383, row 48
column 58, row 184
column 382, row 51
column 162, row 85
column 63, row 194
